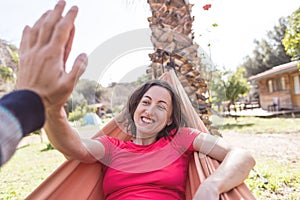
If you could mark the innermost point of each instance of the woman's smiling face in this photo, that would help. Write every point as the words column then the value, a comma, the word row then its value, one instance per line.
column 153, row 112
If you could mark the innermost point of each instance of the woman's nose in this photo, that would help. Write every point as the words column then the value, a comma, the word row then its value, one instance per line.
column 149, row 110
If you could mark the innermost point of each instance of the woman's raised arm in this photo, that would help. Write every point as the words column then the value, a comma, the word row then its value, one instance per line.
column 66, row 140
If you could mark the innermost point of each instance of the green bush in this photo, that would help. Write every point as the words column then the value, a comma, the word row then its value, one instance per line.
column 76, row 115
column 80, row 112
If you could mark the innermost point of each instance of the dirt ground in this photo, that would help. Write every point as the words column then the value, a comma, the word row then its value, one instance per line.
column 283, row 147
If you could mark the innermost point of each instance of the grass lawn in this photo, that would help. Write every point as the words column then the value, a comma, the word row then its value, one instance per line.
column 275, row 180
column 261, row 125
column 27, row 169
column 33, row 163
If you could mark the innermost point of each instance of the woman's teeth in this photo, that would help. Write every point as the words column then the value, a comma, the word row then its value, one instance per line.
column 146, row 120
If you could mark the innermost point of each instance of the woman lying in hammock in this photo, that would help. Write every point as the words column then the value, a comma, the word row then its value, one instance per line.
column 154, row 164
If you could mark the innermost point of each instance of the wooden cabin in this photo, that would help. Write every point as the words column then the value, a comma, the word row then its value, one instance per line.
column 279, row 87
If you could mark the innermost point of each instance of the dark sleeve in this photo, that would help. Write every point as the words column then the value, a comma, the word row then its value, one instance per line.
column 27, row 107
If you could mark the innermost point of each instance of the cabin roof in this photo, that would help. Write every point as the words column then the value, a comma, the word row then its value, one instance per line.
column 280, row 69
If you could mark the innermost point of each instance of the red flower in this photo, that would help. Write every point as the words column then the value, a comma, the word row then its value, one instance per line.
column 207, row 6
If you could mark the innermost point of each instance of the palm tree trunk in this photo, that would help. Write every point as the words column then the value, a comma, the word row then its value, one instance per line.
column 172, row 38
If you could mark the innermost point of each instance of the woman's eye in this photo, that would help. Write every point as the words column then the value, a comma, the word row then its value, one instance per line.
column 145, row 102
column 160, row 107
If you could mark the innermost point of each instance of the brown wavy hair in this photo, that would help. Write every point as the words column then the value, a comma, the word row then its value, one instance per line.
column 135, row 99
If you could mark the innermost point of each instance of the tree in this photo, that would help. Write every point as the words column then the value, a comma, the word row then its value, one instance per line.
column 6, row 73
column 7, row 78
column 229, row 87
column 74, row 101
column 91, row 90
column 269, row 52
column 276, row 36
column 236, row 86
column 173, row 41
column 217, row 89
column 291, row 39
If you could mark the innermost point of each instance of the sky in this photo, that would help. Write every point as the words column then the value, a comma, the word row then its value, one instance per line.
column 239, row 24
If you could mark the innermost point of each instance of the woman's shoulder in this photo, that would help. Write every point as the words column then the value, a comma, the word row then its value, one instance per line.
column 188, row 130
column 184, row 138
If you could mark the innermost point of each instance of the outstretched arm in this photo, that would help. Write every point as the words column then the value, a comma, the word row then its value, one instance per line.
column 234, row 169
column 65, row 139
column 44, row 51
